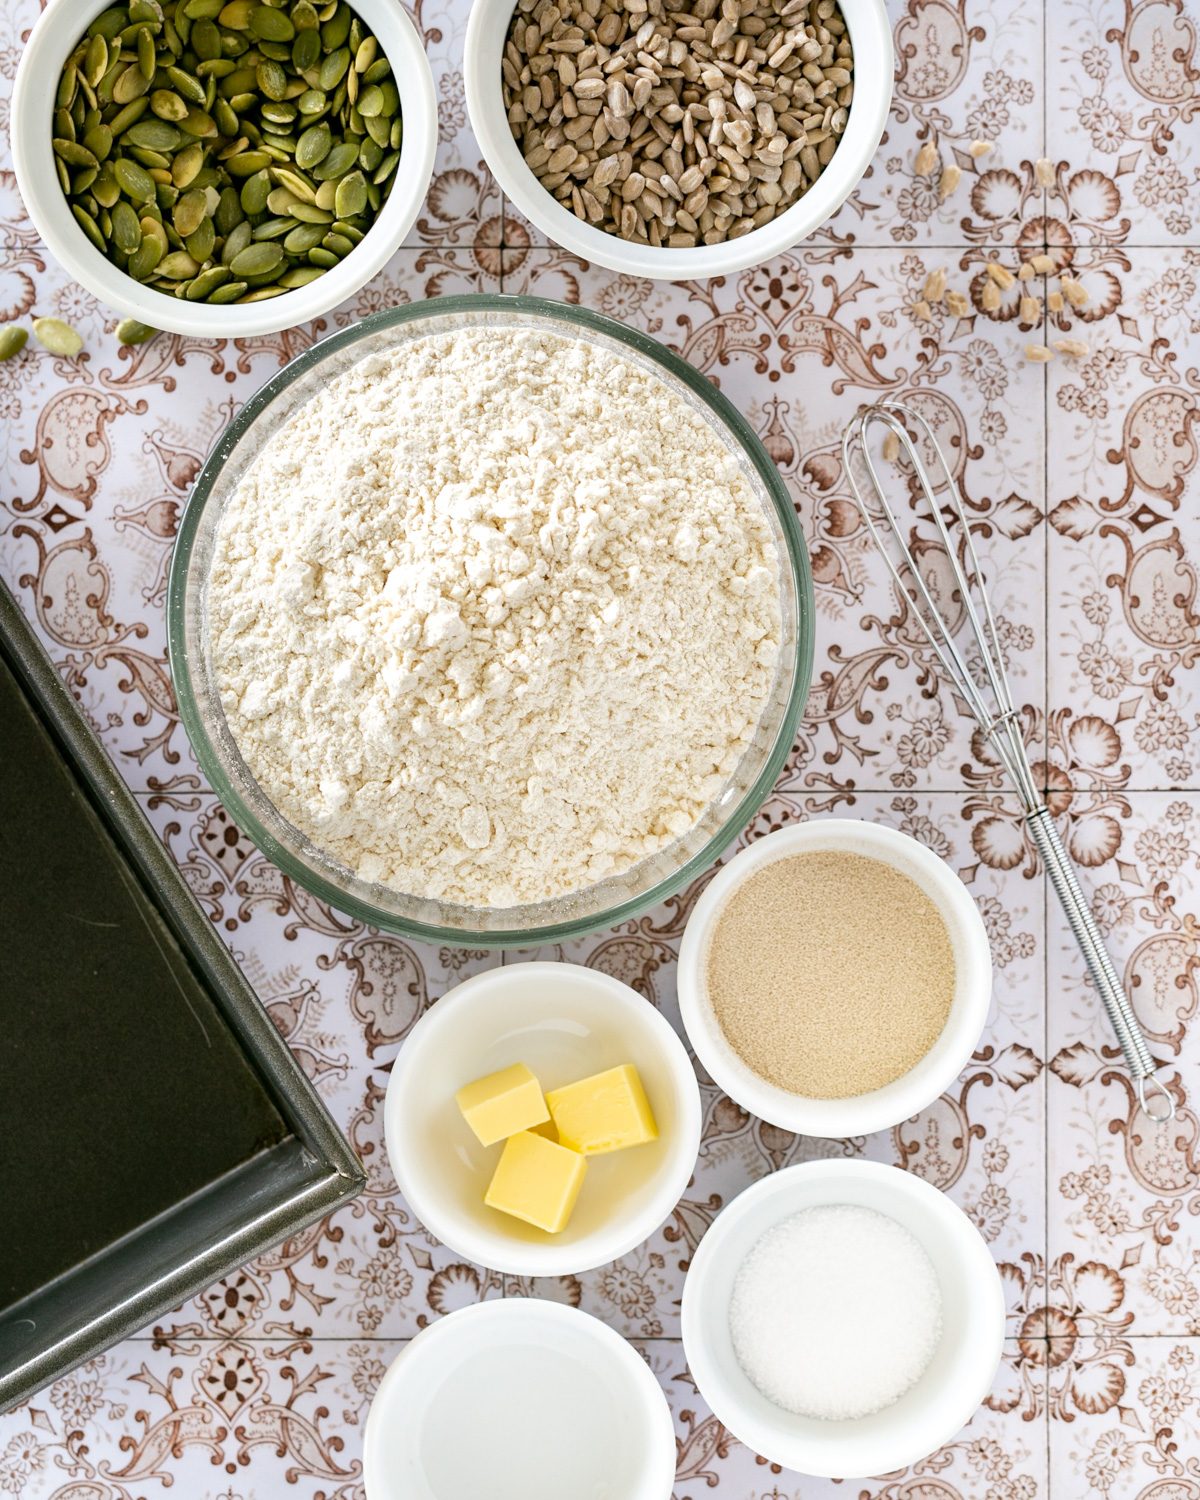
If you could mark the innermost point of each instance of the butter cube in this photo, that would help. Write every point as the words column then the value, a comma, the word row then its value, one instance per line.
column 605, row 1112
column 536, row 1180
column 502, row 1104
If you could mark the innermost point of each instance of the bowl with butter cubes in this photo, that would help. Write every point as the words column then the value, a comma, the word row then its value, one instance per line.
column 542, row 1119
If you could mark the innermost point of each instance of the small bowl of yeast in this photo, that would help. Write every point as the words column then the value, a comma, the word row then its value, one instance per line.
column 835, row 977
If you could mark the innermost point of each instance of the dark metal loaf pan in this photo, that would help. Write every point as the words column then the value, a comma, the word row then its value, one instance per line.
column 155, row 1130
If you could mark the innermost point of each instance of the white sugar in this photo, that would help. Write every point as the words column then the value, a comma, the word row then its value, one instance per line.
column 836, row 1312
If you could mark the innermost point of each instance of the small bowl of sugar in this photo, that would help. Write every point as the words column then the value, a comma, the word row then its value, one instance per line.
column 843, row 1319
column 835, row 977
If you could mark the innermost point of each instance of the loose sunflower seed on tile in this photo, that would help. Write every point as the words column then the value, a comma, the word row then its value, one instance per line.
column 190, row 135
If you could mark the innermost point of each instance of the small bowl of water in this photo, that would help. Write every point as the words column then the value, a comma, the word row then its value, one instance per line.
column 936, row 1344
column 519, row 1399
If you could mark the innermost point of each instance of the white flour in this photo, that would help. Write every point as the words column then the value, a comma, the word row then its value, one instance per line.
column 493, row 617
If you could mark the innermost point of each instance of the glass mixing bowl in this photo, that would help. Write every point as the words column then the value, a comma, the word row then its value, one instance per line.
column 598, row 905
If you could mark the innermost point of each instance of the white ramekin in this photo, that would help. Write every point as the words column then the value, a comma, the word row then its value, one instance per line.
column 440, row 1390
column 565, row 1022
column 910, row 1093
column 947, row 1394
column 871, row 36
column 52, row 40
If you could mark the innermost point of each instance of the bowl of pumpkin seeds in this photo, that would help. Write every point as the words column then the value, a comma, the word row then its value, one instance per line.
column 223, row 168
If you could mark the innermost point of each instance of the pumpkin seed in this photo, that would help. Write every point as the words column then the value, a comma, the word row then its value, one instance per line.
column 145, row 54
column 189, row 211
column 89, row 227
column 225, row 150
column 314, row 145
column 236, row 241
column 370, row 101
column 333, row 69
column 340, row 160
column 255, row 192
column 130, row 331
column 202, row 286
column 124, row 118
column 246, row 163
column 306, row 51
column 144, row 261
column 178, row 266
column 99, row 141
column 187, row 165
column 134, row 180
column 228, row 213
column 12, row 340
column 106, row 189
column 154, row 134
column 270, row 25
column 201, row 241
column 57, row 336
column 271, row 79
column 263, row 294
column 230, row 292
column 303, row 238
column 73, row 153
column 131, row 84
column 351, row 196
column 126, row 231
column 258, row 259
column 300, row 276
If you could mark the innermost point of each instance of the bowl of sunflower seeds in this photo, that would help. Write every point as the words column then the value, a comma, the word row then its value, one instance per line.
column 223, row 168
column 678, row 142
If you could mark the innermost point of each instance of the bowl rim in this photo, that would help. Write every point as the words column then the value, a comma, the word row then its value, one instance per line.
column 550, row 1258
column 970, row 1252
column 880, row 1109
column 179, row 585
column 524, row 1312
column 872, row 35
column 57, row 31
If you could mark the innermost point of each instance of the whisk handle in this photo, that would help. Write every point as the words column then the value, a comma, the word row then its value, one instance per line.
column 1159, row 1106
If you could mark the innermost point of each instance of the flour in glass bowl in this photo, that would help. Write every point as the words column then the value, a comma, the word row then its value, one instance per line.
column 493, row 616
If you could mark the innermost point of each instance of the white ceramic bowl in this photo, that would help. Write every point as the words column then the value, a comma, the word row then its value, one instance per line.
column 926, row 1416
column 52, row 40
column 566, row 1022
column 912, row 1091
column 519, row 1399
column 871, row 36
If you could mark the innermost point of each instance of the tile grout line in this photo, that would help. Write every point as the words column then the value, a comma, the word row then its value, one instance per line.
column 1046, row 729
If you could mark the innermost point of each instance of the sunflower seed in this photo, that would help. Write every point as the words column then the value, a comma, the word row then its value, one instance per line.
column 622, row 109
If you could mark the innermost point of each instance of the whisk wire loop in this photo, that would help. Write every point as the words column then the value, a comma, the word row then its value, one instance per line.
column 998, row 718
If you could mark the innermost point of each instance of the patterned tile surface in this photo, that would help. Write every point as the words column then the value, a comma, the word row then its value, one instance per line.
column 1081, row 474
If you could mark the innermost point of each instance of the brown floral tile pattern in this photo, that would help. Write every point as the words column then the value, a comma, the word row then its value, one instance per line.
column 1122, row 133
column 1123, row 687
column 1123, row 1194
column 1133, row 1428
column 1081, row 478
column 1000, row 1454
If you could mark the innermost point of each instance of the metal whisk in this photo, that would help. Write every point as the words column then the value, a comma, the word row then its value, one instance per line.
column 990, row 700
